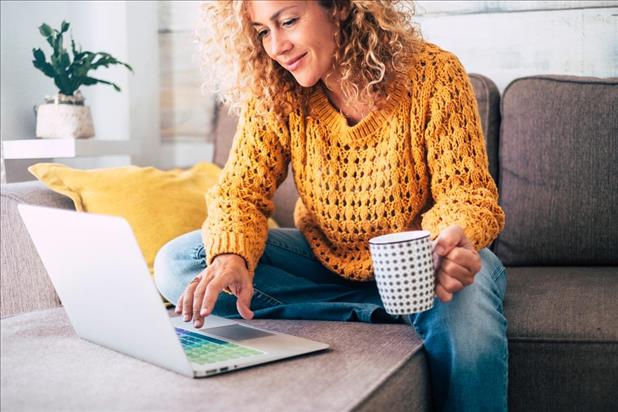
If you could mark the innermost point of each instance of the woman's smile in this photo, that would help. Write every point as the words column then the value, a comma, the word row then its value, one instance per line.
column 294, row 63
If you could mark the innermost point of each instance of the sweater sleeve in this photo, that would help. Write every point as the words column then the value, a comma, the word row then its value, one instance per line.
column 463, row 191
column 240, row 204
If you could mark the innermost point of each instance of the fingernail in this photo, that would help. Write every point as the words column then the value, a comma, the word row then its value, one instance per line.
column 203, row 312
column 187, row 318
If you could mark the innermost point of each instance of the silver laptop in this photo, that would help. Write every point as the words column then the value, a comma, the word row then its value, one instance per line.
column 101, row 277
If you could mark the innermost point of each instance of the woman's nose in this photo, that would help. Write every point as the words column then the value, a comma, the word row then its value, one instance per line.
column 279, row 44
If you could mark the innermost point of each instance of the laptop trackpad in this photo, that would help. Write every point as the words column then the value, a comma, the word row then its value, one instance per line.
column 237, row 332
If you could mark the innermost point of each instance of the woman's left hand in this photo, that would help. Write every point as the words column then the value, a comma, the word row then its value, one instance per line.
column 456, row 262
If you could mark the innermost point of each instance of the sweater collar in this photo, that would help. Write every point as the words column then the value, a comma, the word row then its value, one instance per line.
column 333, row 120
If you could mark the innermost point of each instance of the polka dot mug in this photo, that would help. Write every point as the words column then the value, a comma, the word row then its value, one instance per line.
column 403, row 268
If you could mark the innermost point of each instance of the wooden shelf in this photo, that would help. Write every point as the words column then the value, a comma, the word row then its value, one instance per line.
column 65, row 148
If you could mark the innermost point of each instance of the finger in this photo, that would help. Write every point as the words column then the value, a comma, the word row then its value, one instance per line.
column 454, row 270
column 437, row 260
column 442, row 294
column 466, row 258
column 243, row 303
column 212, row 293
column 187, row 304
column 179, row 304
column 449, row 283
column 198, row 298
column 448, row 239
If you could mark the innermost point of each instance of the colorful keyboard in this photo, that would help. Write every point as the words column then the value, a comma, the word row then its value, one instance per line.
column 204, row 349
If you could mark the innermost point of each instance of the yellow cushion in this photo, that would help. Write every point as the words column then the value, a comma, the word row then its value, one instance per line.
column 159, row 205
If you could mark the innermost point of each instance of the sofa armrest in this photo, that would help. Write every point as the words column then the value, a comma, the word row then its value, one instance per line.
column 25, row 285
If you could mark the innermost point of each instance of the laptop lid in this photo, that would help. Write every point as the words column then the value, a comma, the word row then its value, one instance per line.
column 103, row 282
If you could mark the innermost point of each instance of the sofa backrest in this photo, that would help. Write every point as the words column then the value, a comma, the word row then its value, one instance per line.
column 558, row 171
column 286, row 195
column 488, row 99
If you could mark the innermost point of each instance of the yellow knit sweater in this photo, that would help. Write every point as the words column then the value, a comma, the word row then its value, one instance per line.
column 420, row 162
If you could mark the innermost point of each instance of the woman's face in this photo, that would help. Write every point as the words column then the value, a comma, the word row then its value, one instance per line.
column 299, row 35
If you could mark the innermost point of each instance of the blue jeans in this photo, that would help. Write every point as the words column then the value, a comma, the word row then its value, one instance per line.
column 465, row 339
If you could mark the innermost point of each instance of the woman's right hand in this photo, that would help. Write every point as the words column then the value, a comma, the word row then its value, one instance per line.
column 227, row 272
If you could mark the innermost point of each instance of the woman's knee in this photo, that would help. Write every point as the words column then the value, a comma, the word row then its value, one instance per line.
column 177, row 262
column 473, row 333
column 473, row 319
column 490, row 262
column 493, row 275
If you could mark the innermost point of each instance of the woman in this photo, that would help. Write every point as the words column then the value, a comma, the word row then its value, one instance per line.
column 383, row 135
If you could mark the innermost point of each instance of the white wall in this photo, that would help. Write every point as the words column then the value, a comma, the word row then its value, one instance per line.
column 22, row 85
column 186, row 111
column 508, row 39
column 143, row 88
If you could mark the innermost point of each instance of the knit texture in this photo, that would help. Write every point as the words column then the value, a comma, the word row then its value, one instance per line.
column 419, row 162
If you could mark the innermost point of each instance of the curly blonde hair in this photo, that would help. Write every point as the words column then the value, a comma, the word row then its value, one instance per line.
column 377, row 36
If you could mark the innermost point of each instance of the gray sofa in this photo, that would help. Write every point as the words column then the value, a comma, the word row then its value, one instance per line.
column 552, row 143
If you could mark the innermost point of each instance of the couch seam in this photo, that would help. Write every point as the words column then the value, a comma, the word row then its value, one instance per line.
column 385, row 376
column 13, row 197
column 603, row 81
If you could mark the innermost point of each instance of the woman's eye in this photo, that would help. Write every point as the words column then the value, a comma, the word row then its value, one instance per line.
column 290, row 22
column 287, row 23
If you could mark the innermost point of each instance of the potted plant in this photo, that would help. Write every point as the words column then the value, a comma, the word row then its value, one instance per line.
column 65, row 115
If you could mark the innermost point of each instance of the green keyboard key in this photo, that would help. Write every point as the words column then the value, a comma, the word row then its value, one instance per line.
column 204, row 349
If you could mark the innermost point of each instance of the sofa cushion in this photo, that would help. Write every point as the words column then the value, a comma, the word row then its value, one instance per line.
column 567, row 304
column 563, row 338
column 45, row 366
column 558, row 171
column 160, row 205
column 25, row 285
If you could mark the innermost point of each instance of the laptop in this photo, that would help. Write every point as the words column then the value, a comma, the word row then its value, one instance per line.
column 100, row 275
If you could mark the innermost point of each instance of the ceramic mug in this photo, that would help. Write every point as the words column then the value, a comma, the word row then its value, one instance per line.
column 404, row 272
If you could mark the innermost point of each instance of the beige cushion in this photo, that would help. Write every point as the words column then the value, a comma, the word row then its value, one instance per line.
column 45, row 366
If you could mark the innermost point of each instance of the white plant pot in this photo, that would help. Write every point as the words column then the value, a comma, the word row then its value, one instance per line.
column 64, row 121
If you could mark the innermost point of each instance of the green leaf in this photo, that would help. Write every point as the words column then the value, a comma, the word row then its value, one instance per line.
column 48, row 33
column 64, row 60
column 64, row 85
column 88, row 81
column 79, row 70
column 38, row 54
column 64, row 26
column 87, row 61
column 58, row 44
column 45, row 30
column 40, row 63
column 106, row 60
column 77, row 54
